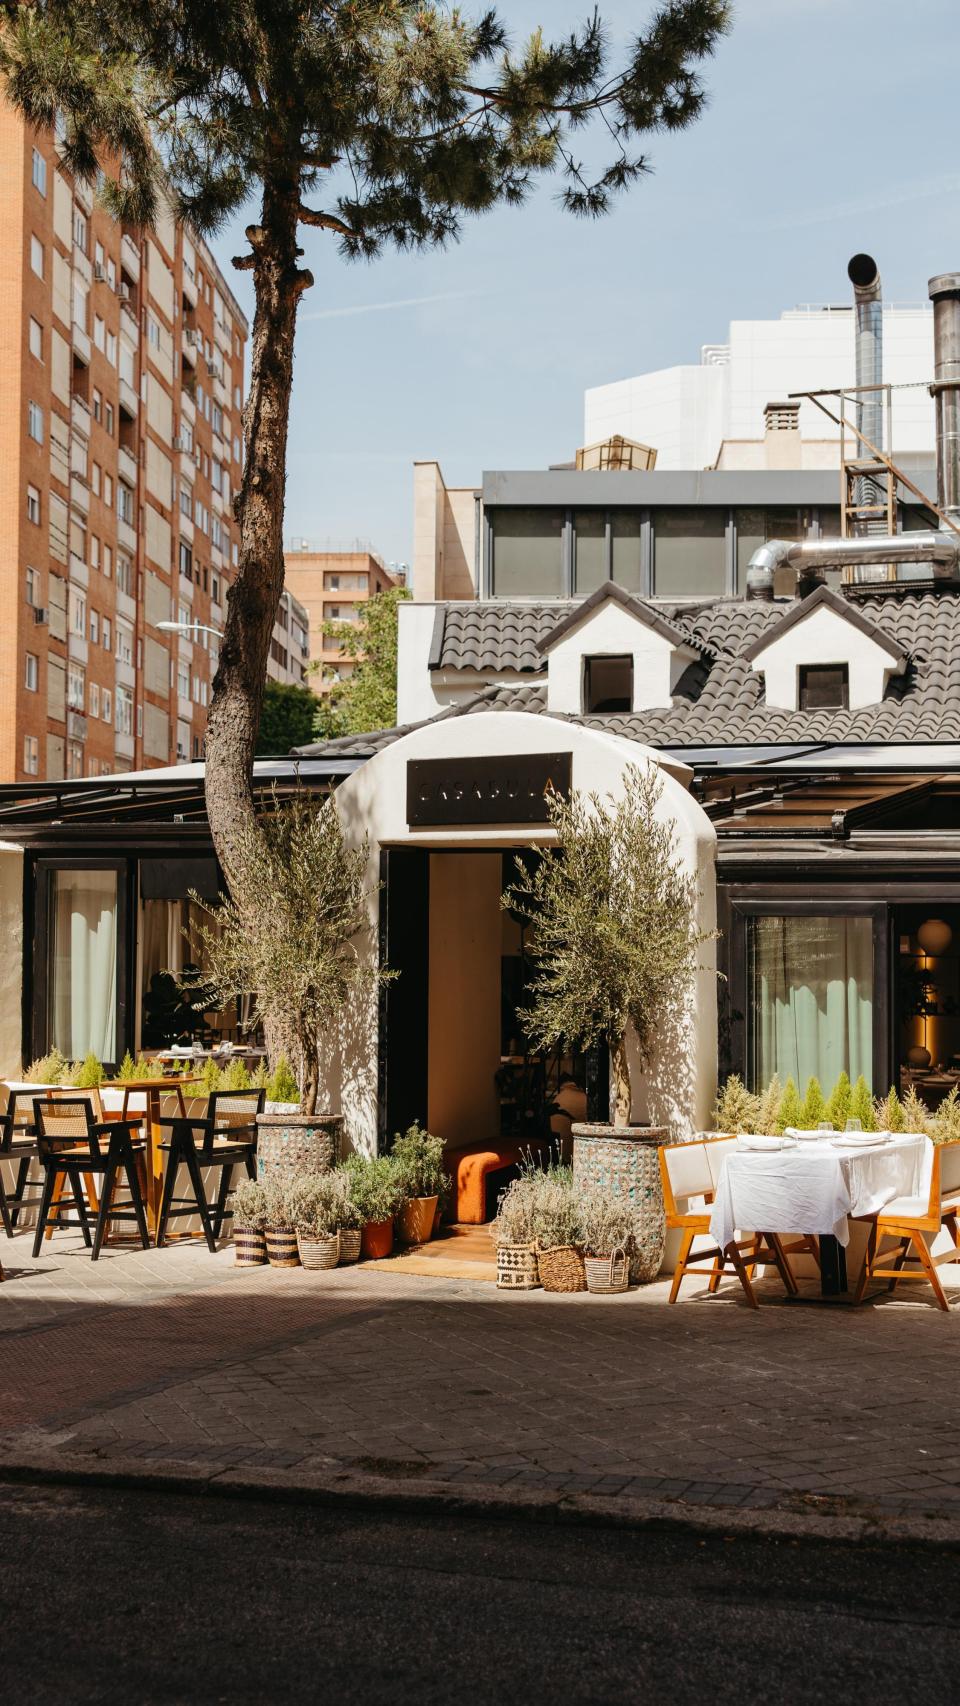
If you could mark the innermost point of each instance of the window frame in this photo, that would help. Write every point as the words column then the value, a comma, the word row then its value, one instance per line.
column 805, row 670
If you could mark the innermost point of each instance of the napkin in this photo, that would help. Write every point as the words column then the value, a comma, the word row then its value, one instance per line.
column 757, row 1140
column 858, row 1139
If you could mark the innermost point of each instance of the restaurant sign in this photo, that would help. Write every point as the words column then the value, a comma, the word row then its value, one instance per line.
column 494, row 789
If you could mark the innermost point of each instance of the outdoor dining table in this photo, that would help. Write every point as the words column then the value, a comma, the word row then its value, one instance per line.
column 154, row 1089
column 814, row 1187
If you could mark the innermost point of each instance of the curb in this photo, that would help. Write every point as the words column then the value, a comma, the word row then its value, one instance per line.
column 349, row 1490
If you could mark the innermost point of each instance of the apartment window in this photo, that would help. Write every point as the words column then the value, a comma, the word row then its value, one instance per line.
column 35, row 422
column 98, row 255
column 31, row 673
column 36, row 256
column 106, row 706
column 236, row 450
column 125, row 503
column 186, row 561
column 94, row 699
column 36, row 339
column 217, row 420
column 183, row 680
column 80, row 229
column 33, row 588
column 112, row 348
column 97, row 406
column 31, row 755
column 216, row 476
column 112, row 282
column 108, row 492
column 74, row 759
column 108, row 408
column 607, row 684
column 76, row 687
column 824, row 687
column 106, row 633
column 153, row 332
column 810, row 994
column 99, row 332
column 95, row 479
column 216, row 532
column 94, row 628
column 94, row 551
column 107, row 562
column 38, row 172
column 527, row 550
column 33, row 505
column 186, row 501
column 215, row 588
column 78, row 612
column 124, row 643
column 124, row 575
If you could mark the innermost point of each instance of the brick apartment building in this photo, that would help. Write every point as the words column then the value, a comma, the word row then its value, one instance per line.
column 332, row 585
column 122, row 357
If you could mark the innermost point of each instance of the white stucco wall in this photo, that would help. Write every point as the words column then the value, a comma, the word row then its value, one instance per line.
column 11, row 964
column 679, row 1086
column 422, row 692
column 611, row 631
column 823, row 637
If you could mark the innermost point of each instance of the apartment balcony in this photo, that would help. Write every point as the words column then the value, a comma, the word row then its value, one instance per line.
column 58, row 543
column 184, row 708
column 188, row 463
column 81, row 344
column 216, row 556
column 76, row 725
column 80, row 494
column 83, row 193
column 188, row 286
column 188, row 407
column 220, row 392
column 221, row 337
column 126, row 606
column 126, row 537
column 126, row 674
column 129, row 325
column 127, row 466
column 79, row 572
column 188, row 342
column 82, row 264
column 78, row 648
column 80, row 414
column 123, row 745
column 59, row 463
column 185, row 524
column 127, row 398
column 216, row 503
column 130, row 257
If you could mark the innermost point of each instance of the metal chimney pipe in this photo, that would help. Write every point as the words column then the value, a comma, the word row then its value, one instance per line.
column 944, row 293
column 864, row 275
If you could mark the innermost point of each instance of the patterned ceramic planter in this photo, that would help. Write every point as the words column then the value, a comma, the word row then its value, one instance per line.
column 624, row 1160
column 297, row 1143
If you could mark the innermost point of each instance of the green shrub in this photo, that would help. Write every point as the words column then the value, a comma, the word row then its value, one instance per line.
column 234, row 1077
column 946, row 1120
column 814, row 1106
column 277, row 1204
column 91, row 1073
column 736, row 1109
column 127, row 1066
column 861, row 1105
column 888, row 1113
column 839, row 1108
column 49, row 1069
column 374, row 1188
column 210, row 1077
column 607, row 1223
column 282, row 1086
column 418, row 1158
column 791, row 1108
column 916, row 1115
column 315, row 1203
column 768, row 1108
column 250, row 1204
column 260, row 1078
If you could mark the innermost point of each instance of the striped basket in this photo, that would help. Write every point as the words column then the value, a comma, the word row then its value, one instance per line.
column 318, row 1253
column 350, row 1246
column 250, row 1248
column 517, row 1267
column 606, row 1275
column 282, row 1249
column 562, row 1268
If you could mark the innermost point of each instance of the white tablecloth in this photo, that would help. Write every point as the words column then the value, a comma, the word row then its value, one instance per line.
column 814, row 1187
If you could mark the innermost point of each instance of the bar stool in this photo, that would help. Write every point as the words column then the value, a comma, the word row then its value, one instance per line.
column 70, row 1146
column 227, row 1139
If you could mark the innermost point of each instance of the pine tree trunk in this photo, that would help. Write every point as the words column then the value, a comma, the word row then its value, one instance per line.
column 253, row 598
column 620, row 1094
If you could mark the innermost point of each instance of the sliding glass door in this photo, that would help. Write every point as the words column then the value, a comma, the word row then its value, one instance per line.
column 79, row 959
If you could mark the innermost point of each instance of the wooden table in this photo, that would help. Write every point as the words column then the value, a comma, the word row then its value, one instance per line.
column 154, row 1089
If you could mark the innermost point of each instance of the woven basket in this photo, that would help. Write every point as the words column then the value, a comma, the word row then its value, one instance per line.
column 607, row 1275
column 282, row 1249
column 517, row 1267
column 562, row 1269
column 250, row 1248
column 319, row 1252
column 625, row 1161
column 350, row 1246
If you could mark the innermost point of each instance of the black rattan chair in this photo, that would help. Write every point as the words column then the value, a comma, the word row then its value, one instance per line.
column 225, row 1138
column 72, row 1146
column 18, row 1145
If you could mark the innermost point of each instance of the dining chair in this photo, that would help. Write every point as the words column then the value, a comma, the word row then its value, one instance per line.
column 912, row 1221
column 224, row 1138
column 18, row 1147
column 689, row 1171
column 71, row 1146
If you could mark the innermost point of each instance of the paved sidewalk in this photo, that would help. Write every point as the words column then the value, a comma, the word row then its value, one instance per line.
column 176, row 1358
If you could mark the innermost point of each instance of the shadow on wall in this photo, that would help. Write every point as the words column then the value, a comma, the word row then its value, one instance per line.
column 665, row 1094
column 349, row 1059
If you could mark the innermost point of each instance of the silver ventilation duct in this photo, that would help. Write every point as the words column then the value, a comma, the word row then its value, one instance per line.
column 864, row 275
column 811, row 556
column 945, row 295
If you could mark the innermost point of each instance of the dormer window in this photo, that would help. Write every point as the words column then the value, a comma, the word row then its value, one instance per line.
column 607, row 684
column 824, row 687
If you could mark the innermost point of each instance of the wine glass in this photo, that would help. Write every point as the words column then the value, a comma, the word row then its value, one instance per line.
column 853, row 1125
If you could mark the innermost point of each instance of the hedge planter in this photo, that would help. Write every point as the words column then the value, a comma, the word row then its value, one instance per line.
column 250, row 1248
column 297, row 1143
column 624, row 1160
column 318, row 1253
column 282, row 1249
column 350, row 1241
column 416, row 1220
column 376, row 1240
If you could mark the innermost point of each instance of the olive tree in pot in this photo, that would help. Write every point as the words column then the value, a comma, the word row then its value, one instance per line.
column 613, row 943
column 297, row 945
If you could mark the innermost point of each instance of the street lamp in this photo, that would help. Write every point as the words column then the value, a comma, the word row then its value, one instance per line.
column 188, row 628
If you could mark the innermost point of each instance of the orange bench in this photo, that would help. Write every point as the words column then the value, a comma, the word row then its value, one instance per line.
column 469, row 1167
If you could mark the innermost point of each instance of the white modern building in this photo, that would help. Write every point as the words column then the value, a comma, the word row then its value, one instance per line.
column 705, row 414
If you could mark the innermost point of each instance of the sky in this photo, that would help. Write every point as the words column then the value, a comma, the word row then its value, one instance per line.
column 830, row 129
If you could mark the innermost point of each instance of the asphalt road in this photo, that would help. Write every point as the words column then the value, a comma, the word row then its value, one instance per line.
column 143, row 1598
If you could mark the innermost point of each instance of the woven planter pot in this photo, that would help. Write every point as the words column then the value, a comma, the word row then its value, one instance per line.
column 606, row 1275
column 297, row 1143
column 282, row 1249
column 376, row 1240
column 517, row 1267
column 350, row 1241
column 415, row 1220
column 562, row 1269
column 250, row 1248
column 624, row 1160
column 318, row 1253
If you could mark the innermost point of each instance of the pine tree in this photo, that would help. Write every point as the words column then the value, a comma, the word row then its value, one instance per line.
column 916, row 1114
column 839, row 1105
column 375, row 122
column 814, row 1106
column 888, row 1113
column 768, row 1108
column 790, row 1112
column 736, row 1108
column 861, row 1105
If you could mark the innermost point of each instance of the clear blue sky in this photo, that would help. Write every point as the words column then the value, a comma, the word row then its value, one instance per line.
column 831, row 128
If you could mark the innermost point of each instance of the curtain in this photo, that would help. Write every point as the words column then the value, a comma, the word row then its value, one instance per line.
column 810, row 998
column 83, row 981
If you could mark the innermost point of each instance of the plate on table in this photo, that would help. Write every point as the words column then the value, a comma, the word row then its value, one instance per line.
column 859, row 1139
column 758, row 1141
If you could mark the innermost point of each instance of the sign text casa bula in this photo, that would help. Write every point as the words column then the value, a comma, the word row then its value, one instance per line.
column 495, row 789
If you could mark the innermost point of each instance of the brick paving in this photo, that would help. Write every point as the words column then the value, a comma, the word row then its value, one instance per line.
column 175, row 1357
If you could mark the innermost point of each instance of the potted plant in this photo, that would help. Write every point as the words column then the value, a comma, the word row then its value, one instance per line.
column 559, row 1236
column 313, row 1203
column 376, row 1196
column 613, row 943
column 349, row 1219
column 281, row 1236
column 418, row 1158
column 514, row 1234
column 289, row 943
column 608, row 1225
column 249, row 1222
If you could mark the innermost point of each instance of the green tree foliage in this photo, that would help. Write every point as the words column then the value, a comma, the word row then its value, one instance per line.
column 791, row 1108
column 839, row 1109
column 282, row 1086
column 814, row 1106
column 736, row 1108
column 888, row 1113
column 861, row 1105
column 288, row 717
column 367, row 698
column 375, row 122
column 768, row 1108
column 611, row 911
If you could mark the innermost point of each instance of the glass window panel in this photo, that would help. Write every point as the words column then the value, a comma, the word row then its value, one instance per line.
column 527, row 553
column 590, row 546
column 810, row 998
column 82, row 1016
column 625, row 527
column 688, row 552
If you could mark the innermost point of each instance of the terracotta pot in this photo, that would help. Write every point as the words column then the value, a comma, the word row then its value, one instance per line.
column 376, row 1240
column 416, row 1220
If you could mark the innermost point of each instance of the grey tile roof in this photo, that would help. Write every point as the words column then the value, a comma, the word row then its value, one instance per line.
column 495, row 636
